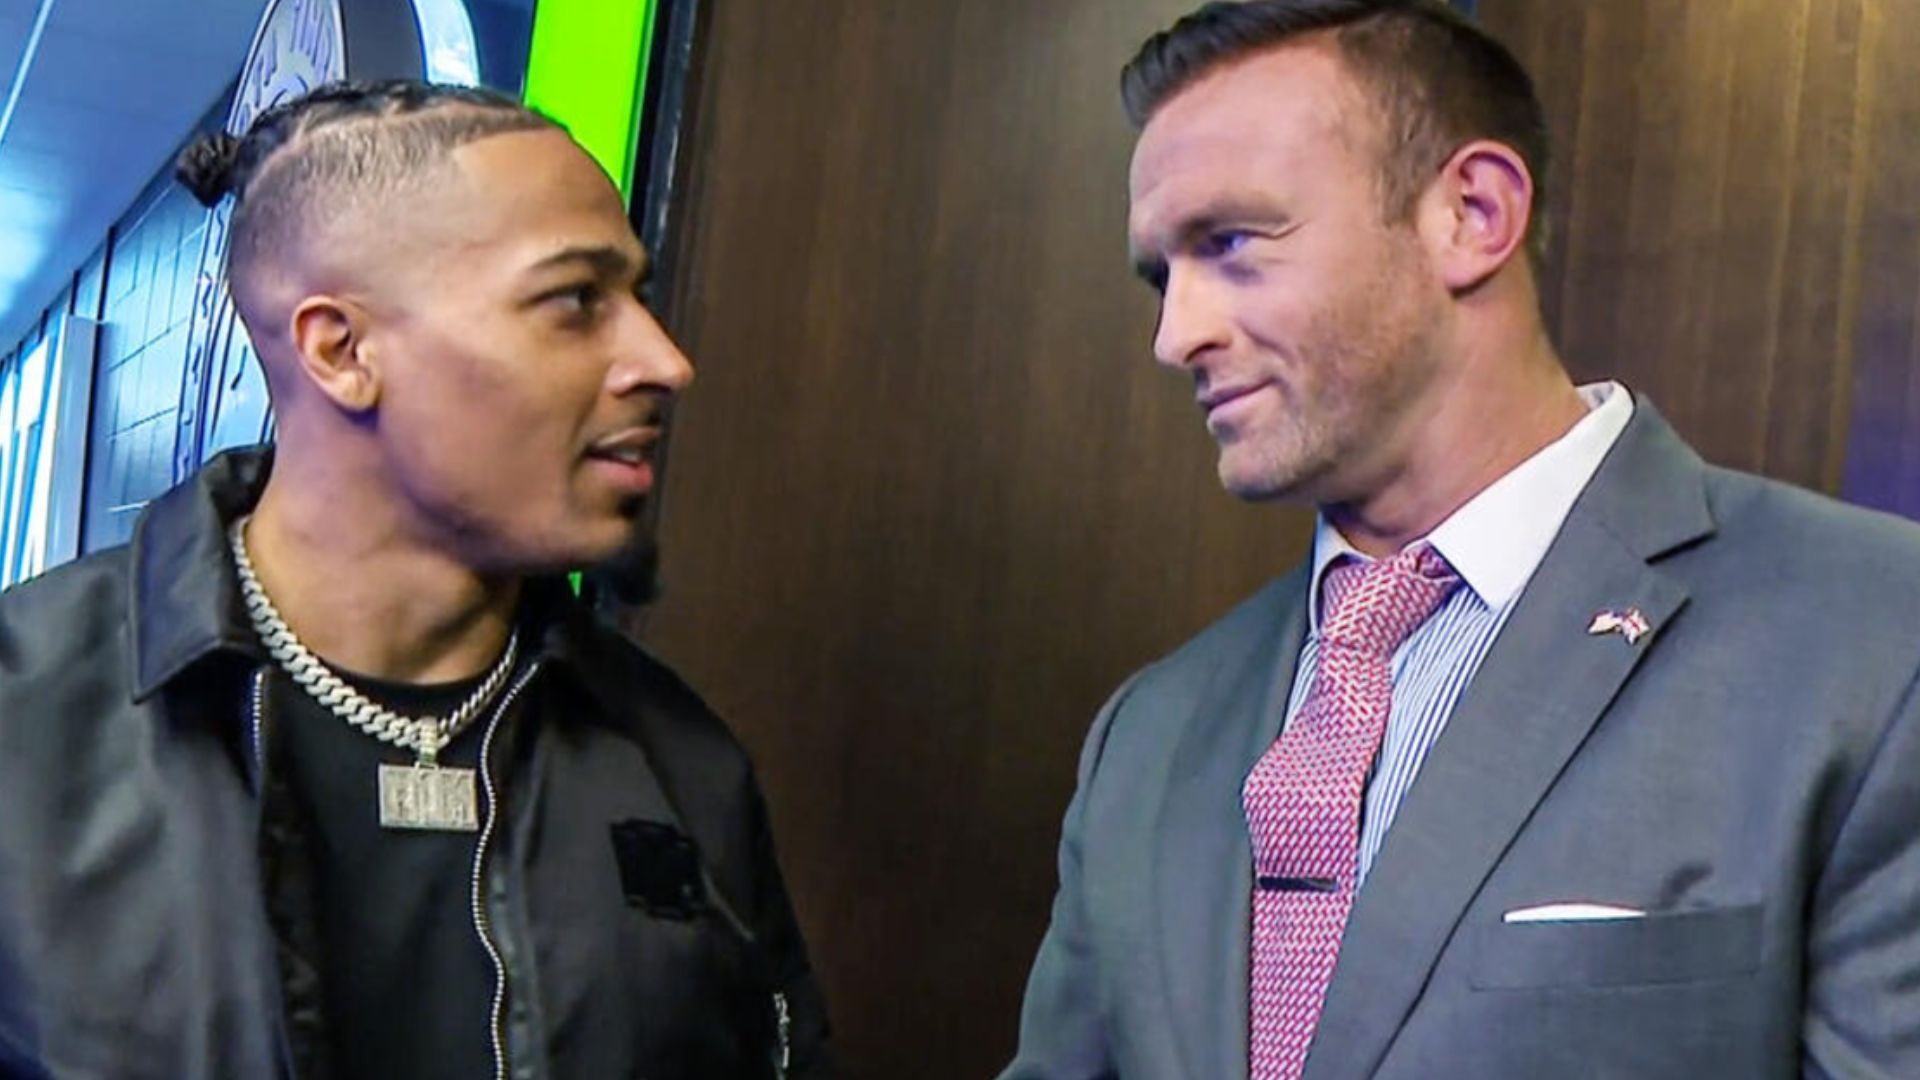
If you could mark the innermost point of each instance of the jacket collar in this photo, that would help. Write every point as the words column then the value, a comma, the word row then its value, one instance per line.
column 185, row 600
column 185, row 597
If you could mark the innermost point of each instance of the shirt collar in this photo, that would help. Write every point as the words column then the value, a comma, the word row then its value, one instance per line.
column 1498, row 538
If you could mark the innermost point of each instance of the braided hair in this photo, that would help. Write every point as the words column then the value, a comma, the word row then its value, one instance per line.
column 342, row 146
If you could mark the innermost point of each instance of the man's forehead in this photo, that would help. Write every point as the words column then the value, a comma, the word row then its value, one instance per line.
column 1211, row 174
column 1251, row 124
column 1297, row 91
column 539, row 192
column 532, row 165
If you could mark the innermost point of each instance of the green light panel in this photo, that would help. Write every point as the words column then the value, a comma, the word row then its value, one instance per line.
column 587, row 68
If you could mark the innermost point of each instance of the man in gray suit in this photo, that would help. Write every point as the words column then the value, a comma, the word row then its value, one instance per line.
column 1565, row 754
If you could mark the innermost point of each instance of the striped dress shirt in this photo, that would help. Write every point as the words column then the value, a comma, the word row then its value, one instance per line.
column 1495, row 542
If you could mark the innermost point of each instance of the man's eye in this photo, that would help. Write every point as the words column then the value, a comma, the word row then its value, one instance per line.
column 579, row 300
column 1219, row 245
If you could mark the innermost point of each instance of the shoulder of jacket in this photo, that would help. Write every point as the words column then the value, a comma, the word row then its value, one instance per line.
column 76, row 600
column 1247, row 622
column 1807, row 534
column 646, row 691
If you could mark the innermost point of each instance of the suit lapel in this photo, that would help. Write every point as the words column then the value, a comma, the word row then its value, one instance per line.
column 1204, row 865
column 1511, row 735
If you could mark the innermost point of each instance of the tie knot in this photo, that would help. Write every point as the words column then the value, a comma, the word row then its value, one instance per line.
column 1374, row 606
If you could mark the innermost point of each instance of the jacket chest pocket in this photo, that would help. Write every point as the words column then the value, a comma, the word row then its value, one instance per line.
column 1661, row 947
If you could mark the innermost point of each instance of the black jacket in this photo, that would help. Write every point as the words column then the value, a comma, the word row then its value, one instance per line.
column 154, row 918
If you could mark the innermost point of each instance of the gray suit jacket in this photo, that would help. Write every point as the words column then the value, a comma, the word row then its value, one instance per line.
column 1749, row 774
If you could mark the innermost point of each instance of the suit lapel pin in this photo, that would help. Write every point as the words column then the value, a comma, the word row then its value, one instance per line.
column 1629, row 624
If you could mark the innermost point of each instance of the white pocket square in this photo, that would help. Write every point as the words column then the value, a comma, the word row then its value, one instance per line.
column 1572, row 912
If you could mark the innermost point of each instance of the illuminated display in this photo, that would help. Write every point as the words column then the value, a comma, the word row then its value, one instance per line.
column 588, row 69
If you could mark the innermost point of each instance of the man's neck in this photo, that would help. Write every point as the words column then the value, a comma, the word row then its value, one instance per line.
column 1472, row 438
column 372, row 600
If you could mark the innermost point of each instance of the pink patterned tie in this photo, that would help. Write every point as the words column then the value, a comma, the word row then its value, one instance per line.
column 1303, row 798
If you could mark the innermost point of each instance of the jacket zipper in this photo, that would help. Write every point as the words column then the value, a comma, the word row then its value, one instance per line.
column 256, row 722
column 257, row 726
column 785, row 1020
column 480, row 921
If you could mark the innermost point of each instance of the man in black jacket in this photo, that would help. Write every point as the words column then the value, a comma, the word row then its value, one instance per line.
column 328, row 773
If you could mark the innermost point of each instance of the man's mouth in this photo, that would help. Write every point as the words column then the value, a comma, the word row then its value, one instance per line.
column 625, row 455
column 1213, row 399
column 631, row 446
column 625, row 458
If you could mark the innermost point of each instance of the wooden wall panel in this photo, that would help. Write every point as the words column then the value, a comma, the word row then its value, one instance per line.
column 1883, row 466
column 1819, row 300
column 930, row 499
column 1735, row 200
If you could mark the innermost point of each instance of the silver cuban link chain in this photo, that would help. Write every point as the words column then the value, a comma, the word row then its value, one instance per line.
column 425, row 736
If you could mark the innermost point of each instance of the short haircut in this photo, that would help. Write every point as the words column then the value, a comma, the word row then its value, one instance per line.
column 337, row 150
column 1439, row 79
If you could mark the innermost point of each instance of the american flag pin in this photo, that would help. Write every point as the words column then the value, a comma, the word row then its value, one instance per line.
column 1629, row 624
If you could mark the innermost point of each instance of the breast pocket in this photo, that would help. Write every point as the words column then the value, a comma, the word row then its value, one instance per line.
column 1662, row 947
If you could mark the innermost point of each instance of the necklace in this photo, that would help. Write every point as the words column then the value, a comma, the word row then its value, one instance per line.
column 421, row 796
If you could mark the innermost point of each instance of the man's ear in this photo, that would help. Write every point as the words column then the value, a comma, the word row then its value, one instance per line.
column 330, row 341
column 1475, row 214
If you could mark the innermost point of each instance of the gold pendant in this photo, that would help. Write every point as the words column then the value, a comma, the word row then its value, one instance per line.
column 429, row 797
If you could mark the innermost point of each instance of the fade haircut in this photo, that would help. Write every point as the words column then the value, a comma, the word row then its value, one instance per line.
column 343, row 148
column 1438, row 79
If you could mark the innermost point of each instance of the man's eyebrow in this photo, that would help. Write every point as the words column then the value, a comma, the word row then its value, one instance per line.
column 1152, row 268
column 603, row 260
column 1221, row 215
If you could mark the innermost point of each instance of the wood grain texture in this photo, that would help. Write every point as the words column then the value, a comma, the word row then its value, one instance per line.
column 1736, row 204
column 1883, row 463
column 930, row 498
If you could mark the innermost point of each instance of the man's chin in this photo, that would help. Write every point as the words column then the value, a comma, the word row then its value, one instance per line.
column 610, row 548
column 583, row 545
column 1264, row 485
